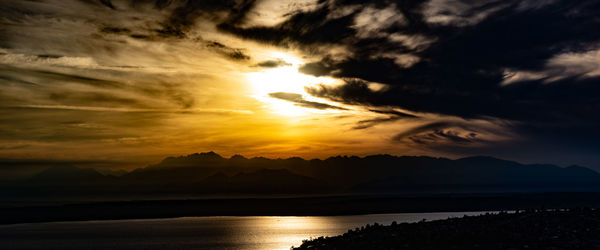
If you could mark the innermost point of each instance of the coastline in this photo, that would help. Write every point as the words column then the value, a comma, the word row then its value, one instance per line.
column 531, row 229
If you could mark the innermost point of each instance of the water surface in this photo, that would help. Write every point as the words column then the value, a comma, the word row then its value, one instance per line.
column 227, row 232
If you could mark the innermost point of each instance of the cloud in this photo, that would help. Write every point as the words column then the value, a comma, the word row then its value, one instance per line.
column 273, row 12
column 133, row 110
column 423, row 128
column 393, row 112
column 93, row 98
column 370, row 21
column 115, row 30
column 300, row 101
column 446, row 133
column 574, row 65
column 47, row 59
column 319, row 68
column 233, row 53
column 460, row 13
column 364, row 124
column 62, row 87
column 438, row 136
column 457, row 65
column 12, row 79
column 183, row 17
column 393, row 115
column 108, row 4
column 311, row 27
column 464, row 66
column 273, row 63
column 353, row 91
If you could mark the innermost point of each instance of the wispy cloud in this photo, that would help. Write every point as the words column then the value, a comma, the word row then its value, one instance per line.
column 300, row 101
column 135, row 110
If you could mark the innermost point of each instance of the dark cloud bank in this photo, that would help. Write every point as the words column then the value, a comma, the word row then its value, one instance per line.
column 460, row 73
column 464, row 53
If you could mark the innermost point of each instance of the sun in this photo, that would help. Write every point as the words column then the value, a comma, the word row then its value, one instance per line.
column 286, row 79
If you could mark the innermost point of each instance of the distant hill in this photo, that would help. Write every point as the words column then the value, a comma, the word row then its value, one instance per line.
column 273, row 181
column 209, row 173
column 484, row 174
column 66, row 174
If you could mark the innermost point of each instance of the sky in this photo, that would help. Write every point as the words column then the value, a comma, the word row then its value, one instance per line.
column 126, row 83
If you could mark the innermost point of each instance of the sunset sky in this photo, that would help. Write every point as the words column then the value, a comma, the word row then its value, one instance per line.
column 127, row 83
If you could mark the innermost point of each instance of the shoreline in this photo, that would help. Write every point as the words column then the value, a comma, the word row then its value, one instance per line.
column 535, row 229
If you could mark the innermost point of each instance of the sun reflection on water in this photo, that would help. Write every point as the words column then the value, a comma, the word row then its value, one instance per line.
column 283, row 231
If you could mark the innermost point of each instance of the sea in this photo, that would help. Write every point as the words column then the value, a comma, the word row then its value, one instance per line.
column 215, row 232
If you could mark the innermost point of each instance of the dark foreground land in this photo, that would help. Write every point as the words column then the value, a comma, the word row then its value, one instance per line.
column 298, row 206
column 533, row 229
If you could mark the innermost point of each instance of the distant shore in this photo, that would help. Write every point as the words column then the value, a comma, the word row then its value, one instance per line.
column 533, row 229
column 298, row 206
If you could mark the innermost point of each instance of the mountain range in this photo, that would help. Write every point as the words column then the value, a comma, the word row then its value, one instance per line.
column 210, row 174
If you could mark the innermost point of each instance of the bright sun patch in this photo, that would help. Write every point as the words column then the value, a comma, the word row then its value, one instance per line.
column 286, row 79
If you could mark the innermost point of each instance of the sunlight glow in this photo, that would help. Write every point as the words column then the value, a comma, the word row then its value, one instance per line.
column 287, row 79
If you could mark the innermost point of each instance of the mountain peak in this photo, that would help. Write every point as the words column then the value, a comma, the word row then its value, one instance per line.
column 210, row 154
column 238, row 157
column 192, row 160
column 485, row 159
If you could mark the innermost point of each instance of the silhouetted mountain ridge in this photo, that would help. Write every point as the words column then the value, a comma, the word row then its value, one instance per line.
column 210, row 173
column 67, row 173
